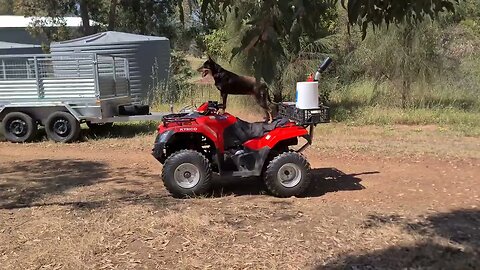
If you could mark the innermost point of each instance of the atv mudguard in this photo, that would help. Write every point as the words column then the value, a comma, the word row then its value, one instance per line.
column 165, row 135
column 275, row 137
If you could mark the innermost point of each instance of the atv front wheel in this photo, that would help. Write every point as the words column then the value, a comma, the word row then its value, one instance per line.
column 287, row 175
column 187, row 173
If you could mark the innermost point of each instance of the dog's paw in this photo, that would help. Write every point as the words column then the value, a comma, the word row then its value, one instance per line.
column 221, row 111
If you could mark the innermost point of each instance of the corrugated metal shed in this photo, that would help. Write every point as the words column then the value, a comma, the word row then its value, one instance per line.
column 148, row 56
column 18, row 48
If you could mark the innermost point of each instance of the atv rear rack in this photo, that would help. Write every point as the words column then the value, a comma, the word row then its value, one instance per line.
column 304, row 117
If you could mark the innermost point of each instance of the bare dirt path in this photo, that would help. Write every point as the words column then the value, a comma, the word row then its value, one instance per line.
column 101, row 205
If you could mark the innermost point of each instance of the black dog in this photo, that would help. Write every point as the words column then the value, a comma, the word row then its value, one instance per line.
column 228, row 82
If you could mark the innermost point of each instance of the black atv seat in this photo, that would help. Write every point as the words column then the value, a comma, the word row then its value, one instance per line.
column 242, row 131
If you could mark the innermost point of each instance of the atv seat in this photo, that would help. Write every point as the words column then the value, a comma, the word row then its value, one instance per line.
column 243, row 131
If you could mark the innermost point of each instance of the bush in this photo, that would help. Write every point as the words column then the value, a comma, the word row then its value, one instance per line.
column 178, row 86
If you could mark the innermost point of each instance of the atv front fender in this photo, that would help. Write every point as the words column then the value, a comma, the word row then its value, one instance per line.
column 161, row 140
column 167, row 137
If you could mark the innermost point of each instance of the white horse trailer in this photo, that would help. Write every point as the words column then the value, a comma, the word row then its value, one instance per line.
column 62, row 91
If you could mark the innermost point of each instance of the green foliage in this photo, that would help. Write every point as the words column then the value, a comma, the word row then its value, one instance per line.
column 178, row 86
column 145, row 17
column 215, row 44
column 272, row 34
column 7, row 7
column 272, row 50
column 380, row 12
column 401, row 55
column 437, row 60
column 49, row 18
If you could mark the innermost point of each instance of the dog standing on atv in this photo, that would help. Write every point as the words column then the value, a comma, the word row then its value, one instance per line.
column 228, row 82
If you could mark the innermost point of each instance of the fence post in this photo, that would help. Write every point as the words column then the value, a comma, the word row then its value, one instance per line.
column 114, row 76
column 37, row 78
column 27, row 66
column 4, row 70
column 95, row 75
column 127, row 75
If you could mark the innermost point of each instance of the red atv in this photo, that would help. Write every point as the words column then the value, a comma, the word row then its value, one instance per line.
column 193, row 146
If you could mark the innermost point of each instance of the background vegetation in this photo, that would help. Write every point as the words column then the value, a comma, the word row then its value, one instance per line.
column 404, row 63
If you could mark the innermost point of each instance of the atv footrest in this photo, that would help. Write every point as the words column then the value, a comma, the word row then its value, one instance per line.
column 244, row 174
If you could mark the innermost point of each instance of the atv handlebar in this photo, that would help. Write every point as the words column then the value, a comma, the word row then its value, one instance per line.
column 209, row 107
column 322, row 68
column 325, row 64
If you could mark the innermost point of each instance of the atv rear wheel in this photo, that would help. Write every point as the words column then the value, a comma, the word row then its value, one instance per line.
column 287, row 175
column 187, row 173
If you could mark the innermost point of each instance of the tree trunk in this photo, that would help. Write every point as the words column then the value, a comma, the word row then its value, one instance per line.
column 112, row 15
column 84, row 13
column 277, row 91
column 407, row 70
column 405, row 92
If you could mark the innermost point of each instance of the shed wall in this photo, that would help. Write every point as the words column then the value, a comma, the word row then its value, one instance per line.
column 149, row 60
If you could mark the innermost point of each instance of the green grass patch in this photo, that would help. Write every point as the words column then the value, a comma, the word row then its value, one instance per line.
column 369, row 103
column 466, row 122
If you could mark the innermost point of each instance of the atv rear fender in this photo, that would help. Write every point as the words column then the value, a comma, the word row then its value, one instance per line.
column 278, row 136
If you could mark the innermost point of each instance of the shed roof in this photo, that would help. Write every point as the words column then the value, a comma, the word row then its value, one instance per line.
column 109, row 37
column 14, row 21
column 10, row 45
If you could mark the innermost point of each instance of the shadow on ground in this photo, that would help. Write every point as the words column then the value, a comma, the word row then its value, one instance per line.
column 24, row 183
column 35, row 182
column 451, row 241
column 324, row 180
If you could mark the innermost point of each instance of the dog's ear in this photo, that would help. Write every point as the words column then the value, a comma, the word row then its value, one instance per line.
column 210, row 58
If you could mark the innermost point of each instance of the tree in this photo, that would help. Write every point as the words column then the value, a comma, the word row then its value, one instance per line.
column 84, row 13
column 378, row 12
column 6, row 7
column 270, row 19
column 273, row 33
column 150, row 17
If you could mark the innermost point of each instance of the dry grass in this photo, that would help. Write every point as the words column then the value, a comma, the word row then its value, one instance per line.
column 397, row 140
column 100, row 204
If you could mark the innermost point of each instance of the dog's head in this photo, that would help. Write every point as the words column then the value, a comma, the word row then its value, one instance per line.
column 209, row 67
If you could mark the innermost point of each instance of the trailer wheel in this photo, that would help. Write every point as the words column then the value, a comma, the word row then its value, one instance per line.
column 19, row 127
column 62, row 127
column 287, row 175
column 187, row 173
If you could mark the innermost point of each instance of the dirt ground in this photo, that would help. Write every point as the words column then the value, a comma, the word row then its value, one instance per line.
column 383, row 198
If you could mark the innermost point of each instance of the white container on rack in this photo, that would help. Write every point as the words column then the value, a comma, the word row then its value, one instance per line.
column 307, row 95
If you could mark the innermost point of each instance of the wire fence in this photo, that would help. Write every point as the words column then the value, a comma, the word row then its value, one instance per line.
column 23, row 67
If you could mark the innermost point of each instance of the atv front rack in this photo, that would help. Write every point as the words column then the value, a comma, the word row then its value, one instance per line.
column 177, row 118
column 304, row 117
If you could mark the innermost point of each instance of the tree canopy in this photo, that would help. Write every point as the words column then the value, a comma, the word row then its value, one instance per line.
column 274, row 28
column 271, row 17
